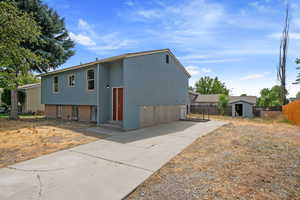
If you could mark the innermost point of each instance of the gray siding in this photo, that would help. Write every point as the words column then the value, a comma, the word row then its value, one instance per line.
column 148, row 80
column 247, row 109
column 78, row 95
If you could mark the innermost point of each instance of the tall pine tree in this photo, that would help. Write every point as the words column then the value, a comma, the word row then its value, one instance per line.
column 54, row 43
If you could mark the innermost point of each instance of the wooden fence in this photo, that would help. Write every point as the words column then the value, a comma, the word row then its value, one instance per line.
column 292, row 112
column 209, row 109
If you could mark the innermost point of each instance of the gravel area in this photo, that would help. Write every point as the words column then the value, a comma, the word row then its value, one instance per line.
column 243, row 160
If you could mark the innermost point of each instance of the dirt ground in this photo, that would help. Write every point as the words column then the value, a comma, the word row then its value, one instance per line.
column 29, row 138
column 246, row 159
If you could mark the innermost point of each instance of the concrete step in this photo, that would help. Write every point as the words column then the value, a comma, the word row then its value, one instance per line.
column 113, row 126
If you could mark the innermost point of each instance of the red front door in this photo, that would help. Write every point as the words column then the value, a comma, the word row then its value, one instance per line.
column 117, row 103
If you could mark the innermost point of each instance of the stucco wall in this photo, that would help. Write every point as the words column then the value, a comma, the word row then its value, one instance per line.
column 78, row 95
column 149, row 81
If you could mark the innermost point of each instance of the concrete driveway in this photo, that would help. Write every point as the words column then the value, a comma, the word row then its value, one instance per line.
column 106, row 169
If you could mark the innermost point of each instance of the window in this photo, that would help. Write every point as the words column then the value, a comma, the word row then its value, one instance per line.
column 71, row 80
column 55, row 84
column 167, row 59
column 91, row 79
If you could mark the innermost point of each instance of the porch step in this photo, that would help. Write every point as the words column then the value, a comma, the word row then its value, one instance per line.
column 113, row 126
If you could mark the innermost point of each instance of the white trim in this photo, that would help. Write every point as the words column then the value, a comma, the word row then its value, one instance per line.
column 68, row 81
column 112, row 104
column 86, row 80
column 53, row 83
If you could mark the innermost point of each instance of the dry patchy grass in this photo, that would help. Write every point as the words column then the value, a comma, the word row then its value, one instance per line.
column 245, row 159
column 29, row 138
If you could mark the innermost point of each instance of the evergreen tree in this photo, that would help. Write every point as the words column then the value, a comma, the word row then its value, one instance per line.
column 54, row 43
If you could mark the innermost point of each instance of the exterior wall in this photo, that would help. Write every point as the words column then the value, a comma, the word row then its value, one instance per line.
column 151, row 115
column 111, row 75
column 247, row 109
column 33, row 100
column 77, row 95
column 66, row 112
column 150, row 81
column 84, row 113
column 50, row 111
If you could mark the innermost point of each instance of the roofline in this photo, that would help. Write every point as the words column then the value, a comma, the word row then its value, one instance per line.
column 28, row 86
column 115, row 58
column 242, row 100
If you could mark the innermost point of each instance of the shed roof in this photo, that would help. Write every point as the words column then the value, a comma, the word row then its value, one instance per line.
column 115, row 58
column 27, row 86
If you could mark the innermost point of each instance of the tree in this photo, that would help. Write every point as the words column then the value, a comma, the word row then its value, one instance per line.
column 281, row 71
column 16, row 28
column 298, row 95
column 298, row 77
column 208, row 85
column 243, row 95
column 54, row 43
column 6, row 97
column 270, row 97
column 223, row 103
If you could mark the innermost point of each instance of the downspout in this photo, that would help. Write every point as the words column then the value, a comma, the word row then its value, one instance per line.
column 98, row 95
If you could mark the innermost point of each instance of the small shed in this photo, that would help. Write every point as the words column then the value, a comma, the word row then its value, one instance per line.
column 242, row 108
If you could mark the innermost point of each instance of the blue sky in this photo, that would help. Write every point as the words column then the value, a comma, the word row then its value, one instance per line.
column 238, row 41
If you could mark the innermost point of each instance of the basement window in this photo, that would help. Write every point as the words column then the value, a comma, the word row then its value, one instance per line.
column 91, row 79
column 167, row 59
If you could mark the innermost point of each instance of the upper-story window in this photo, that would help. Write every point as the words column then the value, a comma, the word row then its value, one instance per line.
column 91, row 79
column 55, row 84
column 167, row 59
column 71, row 80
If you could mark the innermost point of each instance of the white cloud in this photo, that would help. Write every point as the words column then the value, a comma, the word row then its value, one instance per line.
column 82, row 39
column 148, row 14
column 129, row 3
column 295, row 36
column 195, row 70
column 103, row 43
column 254, row 76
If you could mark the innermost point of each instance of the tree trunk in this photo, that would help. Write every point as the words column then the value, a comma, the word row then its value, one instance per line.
column 14, row 104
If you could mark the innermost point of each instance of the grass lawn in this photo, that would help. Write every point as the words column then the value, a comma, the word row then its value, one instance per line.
column 22, row 116
column 246, row 159
column 33, row 136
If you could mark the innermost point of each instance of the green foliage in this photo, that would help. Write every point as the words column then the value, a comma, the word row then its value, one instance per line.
column 298, row 95
column 223, row 103
column 243, row 95
column 270, row 97
column 208, row 85
column 16, row 28
column 54, row 43
column 6, row 97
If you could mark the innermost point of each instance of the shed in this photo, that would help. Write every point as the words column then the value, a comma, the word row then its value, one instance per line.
column 242, row 108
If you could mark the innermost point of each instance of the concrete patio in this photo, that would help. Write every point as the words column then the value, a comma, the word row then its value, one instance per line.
column 106, row 169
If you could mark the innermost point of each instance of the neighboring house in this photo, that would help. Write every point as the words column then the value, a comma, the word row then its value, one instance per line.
column 240, row 105
column 32, row 102
column 132, row 90
column 293, row 99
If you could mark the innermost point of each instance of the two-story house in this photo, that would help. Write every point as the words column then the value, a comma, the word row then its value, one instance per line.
column 132, row 90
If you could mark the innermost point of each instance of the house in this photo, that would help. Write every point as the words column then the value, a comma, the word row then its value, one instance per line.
column 32, row 102
column 293, row 99
column 130, row 91
column 238, row 105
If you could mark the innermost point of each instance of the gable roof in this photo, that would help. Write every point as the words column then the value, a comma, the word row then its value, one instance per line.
column 115, row 58
column 214, row 98
column 27, row 86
